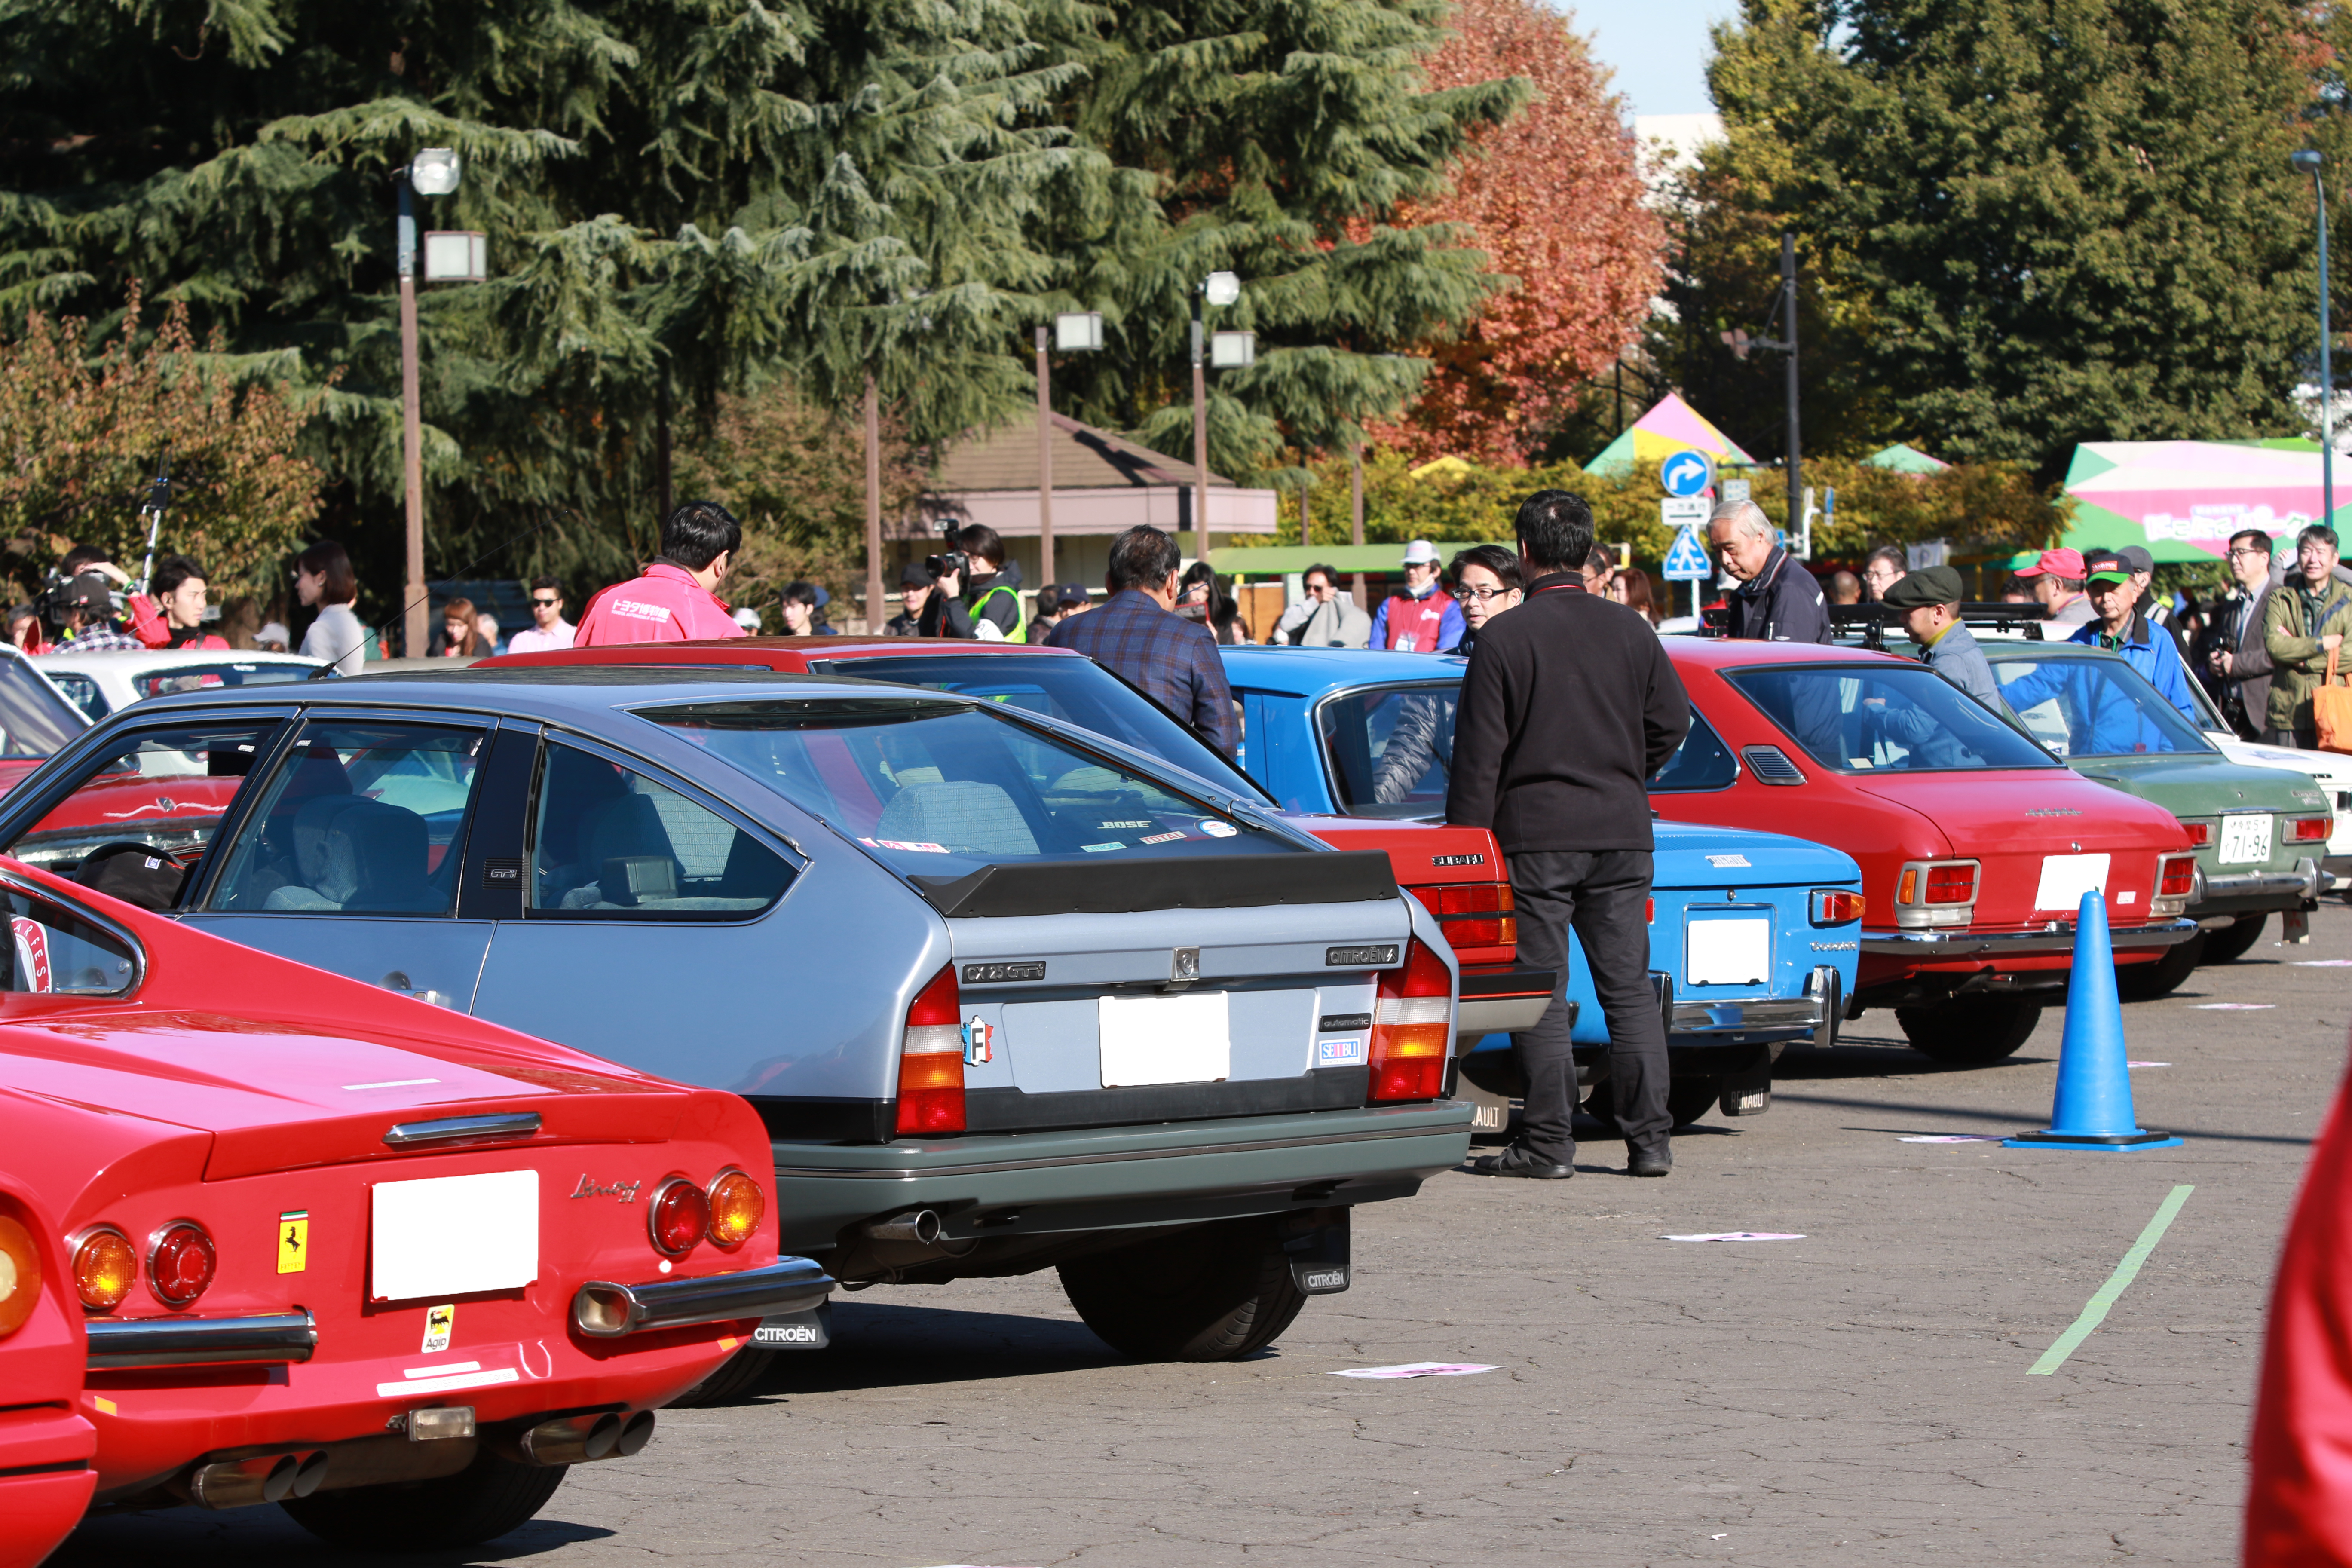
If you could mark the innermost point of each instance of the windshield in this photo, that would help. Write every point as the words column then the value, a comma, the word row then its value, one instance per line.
column 34, row 719
column 2084, row 707
column 941, row 788
column 1884, row 718
column 1076, row 691
column 1390, row 749
column 220, row 672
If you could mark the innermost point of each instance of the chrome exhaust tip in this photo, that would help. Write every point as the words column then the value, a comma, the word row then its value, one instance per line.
column 915, row 1225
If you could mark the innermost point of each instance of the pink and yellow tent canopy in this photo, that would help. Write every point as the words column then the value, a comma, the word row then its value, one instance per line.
column 2182, row 499
column 1672, row 427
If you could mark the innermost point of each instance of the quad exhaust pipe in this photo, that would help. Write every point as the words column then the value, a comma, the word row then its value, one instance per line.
column 584, row 1439
column 272, row 1478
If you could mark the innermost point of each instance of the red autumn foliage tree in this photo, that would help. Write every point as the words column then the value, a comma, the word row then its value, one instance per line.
column 1554, row 197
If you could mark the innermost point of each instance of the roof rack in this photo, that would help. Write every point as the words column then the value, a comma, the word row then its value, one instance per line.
column 1871, row 620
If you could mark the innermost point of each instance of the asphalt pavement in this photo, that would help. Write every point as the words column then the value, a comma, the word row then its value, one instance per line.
column 1860, row 1396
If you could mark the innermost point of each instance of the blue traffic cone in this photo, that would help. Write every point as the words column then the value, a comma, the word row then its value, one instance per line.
column 2093, row 1109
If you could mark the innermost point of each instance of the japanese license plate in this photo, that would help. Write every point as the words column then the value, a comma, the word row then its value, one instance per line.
column 450, row 1236
column 2067, row 878
column 1726, row 952
column 2245, row 838
column 1164, row 1039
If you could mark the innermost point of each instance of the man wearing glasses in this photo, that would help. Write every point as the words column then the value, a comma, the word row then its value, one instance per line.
column 549, row 631
column 2303, row 622
column 1324, row 617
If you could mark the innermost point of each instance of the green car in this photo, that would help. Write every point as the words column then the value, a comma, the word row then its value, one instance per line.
column 2260, row 833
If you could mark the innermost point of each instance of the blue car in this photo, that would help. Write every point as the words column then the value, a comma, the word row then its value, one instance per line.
column 1753, row 936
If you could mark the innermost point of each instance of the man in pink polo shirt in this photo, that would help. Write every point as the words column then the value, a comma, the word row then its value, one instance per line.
column 677, row 599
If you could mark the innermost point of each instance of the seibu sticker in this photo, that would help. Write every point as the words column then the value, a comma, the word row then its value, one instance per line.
column 1216, row 829
column 1339, row 1053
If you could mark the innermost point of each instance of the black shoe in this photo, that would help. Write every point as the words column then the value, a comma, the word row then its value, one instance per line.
column 1656, row 1164
column 1515, row 1161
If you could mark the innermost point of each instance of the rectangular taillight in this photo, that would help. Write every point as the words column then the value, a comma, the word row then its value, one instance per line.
column 1412, row 1030
column 1473, row 915
column 1837, row 907
column 2309, row 829
column 1951, row 884
column 1935, row 893
column 2200, row 832
column 2176, row 877
column 930, row 1063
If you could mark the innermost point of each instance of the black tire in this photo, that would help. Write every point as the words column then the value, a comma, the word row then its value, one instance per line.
column 2146, row 981
column 1216, row 1293
column 1689, row 1098
column 1971, row 1030
column 730, row 1381
column 481, row 1502
column 2233, row 942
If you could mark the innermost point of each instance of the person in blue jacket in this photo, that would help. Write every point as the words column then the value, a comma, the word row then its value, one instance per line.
column 2106, row 721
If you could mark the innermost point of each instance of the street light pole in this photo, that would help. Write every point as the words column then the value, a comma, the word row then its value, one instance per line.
column 1796, row 460
column 874, row 601
column 411, row 431
column 1045, row 465
column 1200, row 434
column 2308, row 159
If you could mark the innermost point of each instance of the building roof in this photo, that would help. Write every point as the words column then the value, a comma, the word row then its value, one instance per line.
column 1083, row 459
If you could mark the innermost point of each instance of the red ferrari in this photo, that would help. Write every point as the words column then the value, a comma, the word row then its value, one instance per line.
column 1975, row 845
column 45, row 1443
column 384, row 1265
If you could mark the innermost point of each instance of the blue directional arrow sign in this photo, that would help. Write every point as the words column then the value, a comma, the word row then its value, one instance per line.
column 1687, row 561
column 1686, row 473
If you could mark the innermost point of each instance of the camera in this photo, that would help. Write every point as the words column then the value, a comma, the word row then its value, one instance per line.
column 61, row 594
column 945, row 561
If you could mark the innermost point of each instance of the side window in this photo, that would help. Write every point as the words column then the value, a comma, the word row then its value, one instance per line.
column 81, row 691
column 1701, row 763
column 52, row 949
column 1391, row 750
column 361, row 818
column 608, row 842
column 165, row 789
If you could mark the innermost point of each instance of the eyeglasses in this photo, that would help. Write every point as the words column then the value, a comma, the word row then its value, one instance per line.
column 545, row 604
column 1486, row 596
column 2251, row 550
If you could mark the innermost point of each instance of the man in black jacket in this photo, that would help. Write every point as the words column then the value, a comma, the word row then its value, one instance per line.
column 1567, row 706
column 1777, row 600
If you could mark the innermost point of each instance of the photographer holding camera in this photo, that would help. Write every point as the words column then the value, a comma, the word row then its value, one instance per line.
column 975, row 593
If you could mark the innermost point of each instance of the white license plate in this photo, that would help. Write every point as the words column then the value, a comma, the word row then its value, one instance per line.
column 2245, row 838
column 2067, row 878
column 1728, row 953
column 452, row 1235
column 1164, row 1039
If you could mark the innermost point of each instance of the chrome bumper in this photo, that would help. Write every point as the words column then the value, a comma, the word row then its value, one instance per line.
column 272, row 1339
column 1819, row 1009
column 1477, row 1018
column 2058, row 937
column 2305, row 881
column 606, row 1311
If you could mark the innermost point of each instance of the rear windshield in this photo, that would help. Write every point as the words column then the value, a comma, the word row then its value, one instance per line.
column 220, row 672
column 34, row 719
column 1076, row 691
column 941, row 788
column 1886, row 718
column 2093, row 708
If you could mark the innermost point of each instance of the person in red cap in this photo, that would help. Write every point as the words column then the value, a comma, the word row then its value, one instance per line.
column 2056, row 580
column 677, row 597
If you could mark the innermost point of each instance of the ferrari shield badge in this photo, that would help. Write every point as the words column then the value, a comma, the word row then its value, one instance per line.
column 294, row 1241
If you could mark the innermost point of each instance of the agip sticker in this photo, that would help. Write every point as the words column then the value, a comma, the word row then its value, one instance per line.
column 438, row 1323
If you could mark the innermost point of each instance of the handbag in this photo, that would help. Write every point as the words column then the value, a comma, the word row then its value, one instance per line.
column 2331, row 710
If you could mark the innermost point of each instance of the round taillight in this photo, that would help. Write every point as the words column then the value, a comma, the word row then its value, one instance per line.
column 679, row 1218
column 105, row 1267
column 180, row 1264
column 736, row 1206
column 20, row 1276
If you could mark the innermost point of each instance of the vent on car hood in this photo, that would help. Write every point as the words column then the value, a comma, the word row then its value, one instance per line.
column 1771, row 766
column 1191, row 882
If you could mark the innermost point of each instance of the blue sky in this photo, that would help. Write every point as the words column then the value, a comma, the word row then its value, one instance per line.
column 1657, row 48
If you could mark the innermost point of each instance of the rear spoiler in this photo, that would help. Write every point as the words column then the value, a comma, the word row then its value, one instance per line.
column 1206, row 882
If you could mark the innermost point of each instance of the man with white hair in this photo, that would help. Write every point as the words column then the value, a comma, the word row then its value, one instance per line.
column 1777, row 599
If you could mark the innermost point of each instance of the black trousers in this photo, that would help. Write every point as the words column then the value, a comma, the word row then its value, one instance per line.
column 1603, row 897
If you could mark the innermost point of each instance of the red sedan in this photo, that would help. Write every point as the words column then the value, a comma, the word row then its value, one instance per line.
column 1975, row 845
column 46, row 1444
column 388, row 1266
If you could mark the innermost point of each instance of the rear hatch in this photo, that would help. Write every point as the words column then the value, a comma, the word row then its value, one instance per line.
column 2246, row 814
column 2041, row 838
column 1731, row 912
column 1457, row 873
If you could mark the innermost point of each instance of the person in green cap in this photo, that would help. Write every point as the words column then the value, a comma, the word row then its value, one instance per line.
column 1929, row 602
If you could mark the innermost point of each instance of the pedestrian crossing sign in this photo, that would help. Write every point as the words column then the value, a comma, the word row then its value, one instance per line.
column 1687, row 561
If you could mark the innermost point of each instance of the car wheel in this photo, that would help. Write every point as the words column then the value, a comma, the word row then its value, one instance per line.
column 481, row 1502
column 2233, row 942
column 1689, row 1098
column 730, row 1381
column 2146, row 981
column 1212, row 1294
column 1971, row 1029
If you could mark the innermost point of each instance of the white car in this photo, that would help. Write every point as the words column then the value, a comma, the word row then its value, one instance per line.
column 107, row 682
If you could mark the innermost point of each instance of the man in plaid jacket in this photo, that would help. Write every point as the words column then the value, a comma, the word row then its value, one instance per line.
column 1136, row 633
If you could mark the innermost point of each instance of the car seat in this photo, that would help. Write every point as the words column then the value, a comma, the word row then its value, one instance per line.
column 967, row 816
column 361, row 855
